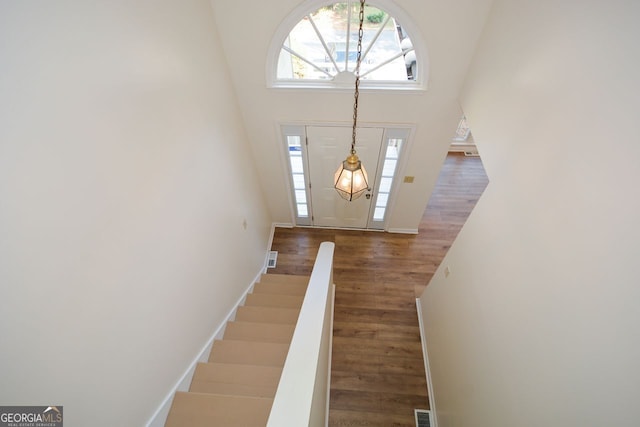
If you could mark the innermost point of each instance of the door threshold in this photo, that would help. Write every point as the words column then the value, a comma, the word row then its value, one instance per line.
column 319, row 227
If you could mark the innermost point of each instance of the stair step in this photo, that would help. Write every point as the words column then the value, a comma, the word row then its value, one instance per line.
column 280, row 288
column 205, row 410
column 267, row 314
column 235, row 379
column 274, row 300
column 249, row 353
column 259, row 331
column 285, row 278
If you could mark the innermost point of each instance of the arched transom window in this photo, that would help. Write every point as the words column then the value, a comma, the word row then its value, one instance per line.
column 322, row 48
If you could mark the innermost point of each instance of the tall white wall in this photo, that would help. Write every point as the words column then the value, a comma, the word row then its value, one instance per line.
column 538, row 322
column 125, row 178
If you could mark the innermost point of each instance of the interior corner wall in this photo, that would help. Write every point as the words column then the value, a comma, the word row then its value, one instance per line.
column 537, row 322
column 131, row 220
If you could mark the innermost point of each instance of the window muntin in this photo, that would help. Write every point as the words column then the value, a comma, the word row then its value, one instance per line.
column 322, row 47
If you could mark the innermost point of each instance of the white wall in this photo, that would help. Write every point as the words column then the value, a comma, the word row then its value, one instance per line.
column 122, row 244
column 538, row 322
column 449, row 29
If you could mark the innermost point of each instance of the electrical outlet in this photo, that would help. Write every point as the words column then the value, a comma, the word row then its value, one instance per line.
column 409, row 179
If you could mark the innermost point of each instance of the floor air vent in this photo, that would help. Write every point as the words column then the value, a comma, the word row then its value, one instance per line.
column 271, row 259
column 423, row 418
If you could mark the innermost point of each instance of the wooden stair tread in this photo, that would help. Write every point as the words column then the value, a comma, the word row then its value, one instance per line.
column 205, row 410
column 274, row 300
column 236, row 380
column 267, row 314
column 234, row 373
column 284, row 278
column 259, row 331
column 248, row 352
column 279, row 288
column 227, row 389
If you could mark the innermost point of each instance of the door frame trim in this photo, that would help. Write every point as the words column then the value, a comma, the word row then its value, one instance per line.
column 400, row 168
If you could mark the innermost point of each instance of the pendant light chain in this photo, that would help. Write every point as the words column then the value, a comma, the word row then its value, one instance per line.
column 350, row 180
column 357, row 73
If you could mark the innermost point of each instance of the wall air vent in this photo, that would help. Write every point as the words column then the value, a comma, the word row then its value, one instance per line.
column 271, row 259
column 423, row 418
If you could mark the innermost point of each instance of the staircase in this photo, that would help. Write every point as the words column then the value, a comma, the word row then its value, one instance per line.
column 237, row 385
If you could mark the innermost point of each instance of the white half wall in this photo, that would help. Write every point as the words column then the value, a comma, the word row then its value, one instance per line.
column 127, row 232
column 538, row 321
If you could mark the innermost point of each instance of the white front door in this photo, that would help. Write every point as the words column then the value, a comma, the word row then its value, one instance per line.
column 327, row 147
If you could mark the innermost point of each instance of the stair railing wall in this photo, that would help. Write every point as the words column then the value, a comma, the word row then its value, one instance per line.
column 302, row 395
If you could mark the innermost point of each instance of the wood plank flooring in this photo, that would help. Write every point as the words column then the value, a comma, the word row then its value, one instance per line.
column 378, row 373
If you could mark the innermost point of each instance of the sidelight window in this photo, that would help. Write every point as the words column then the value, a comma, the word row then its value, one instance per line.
column 390, row 154
column 295, row 137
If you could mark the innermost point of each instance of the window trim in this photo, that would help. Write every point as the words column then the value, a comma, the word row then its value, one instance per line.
column 287, row 130
column 404, row 133
column 391, row 131
column 284, row 29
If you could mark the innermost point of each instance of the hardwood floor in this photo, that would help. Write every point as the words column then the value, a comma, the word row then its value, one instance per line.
column 378, row 376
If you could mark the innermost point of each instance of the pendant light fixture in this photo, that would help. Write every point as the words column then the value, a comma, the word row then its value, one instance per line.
column 351, row 179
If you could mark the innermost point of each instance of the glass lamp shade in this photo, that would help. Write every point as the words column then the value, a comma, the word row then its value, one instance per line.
column 351, row 179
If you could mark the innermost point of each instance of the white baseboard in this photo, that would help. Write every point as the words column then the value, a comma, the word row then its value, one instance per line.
column 282, row 225
column 289, row 225
column 460, row 147
column 403, row 230
column 425, row 353
column 159, row 417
